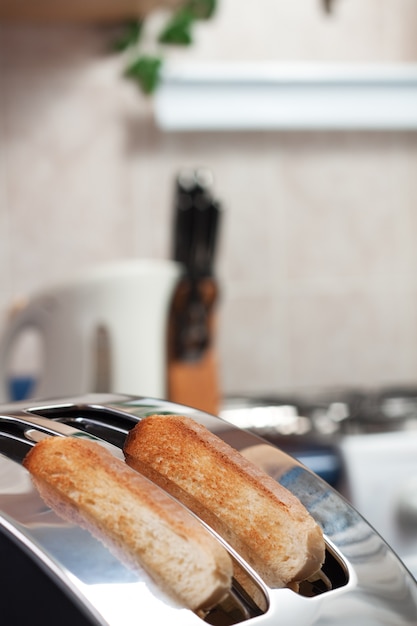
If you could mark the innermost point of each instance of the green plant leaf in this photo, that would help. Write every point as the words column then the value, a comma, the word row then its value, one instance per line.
column 178, row 30
column 130, row 37
column 146, row 71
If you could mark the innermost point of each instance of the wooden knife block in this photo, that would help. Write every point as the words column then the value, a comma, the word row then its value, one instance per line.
column 194, row 381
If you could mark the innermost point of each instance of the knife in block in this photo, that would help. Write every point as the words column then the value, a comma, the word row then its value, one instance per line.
column 192, row 370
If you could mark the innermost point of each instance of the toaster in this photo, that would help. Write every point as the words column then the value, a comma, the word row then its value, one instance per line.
column 54, row 572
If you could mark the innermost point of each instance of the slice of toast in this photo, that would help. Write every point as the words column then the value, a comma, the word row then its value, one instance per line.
column 266, row 524
column 141, row 524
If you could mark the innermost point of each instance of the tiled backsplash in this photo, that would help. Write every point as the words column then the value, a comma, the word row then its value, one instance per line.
column 318, row 256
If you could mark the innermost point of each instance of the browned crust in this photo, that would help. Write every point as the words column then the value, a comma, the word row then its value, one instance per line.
column 262, row 520
column 84, row 483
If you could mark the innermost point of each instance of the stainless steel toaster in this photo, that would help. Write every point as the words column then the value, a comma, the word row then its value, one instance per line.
column 54, row 572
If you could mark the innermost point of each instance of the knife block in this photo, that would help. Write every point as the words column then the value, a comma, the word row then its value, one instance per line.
column 192, row 373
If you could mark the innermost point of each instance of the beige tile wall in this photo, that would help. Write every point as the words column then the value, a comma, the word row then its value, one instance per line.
column 318, row 257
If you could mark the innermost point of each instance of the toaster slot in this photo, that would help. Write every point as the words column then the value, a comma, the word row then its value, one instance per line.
column 112, row 433
column 251, row 600
column 108, row 425
column 333, row 575
column 13, row 442
column 236, row 608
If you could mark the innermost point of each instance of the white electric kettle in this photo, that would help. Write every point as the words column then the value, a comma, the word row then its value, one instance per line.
column 104, row 330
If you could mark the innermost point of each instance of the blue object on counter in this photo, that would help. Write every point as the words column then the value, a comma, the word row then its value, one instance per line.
column 20, row 387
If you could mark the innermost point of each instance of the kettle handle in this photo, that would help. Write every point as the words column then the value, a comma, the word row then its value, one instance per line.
column 34, row 315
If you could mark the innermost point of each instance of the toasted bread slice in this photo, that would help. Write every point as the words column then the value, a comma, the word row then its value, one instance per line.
column 146, row 528
column 265, row 523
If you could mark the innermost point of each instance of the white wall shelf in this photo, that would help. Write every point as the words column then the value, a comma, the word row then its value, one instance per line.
column 267, row 96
